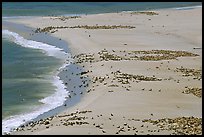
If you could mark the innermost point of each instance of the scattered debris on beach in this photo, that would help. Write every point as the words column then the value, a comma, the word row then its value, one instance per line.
column 151, row 13
column 181, row 125
column 116, row 79
column 151, row 55
column 197, row 73
column 156, row 55
column 63, row 18
column 64, row 119
column 53, row 29
column 104, row 27
column 50, row 29
column 124, row 78
column 84, row 58
column 195, row 91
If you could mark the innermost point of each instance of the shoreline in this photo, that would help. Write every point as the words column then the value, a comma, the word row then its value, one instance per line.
column 152, row 105
column 59, row 74
column 84, row 14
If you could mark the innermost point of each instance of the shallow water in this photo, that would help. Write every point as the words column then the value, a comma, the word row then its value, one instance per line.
column 61, row 8
column 30, row 85
column 24, row 73
column 28, row 67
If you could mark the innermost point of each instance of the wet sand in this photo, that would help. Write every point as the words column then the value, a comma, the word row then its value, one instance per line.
column 143, row 80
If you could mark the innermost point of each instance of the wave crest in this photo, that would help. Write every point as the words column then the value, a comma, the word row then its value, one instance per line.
column 50, row 102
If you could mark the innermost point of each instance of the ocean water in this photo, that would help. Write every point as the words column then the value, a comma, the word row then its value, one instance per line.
column 22, row 77
column 30, row 82
column 63, row 8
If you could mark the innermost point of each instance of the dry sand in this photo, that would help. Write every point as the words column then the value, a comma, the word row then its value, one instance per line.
column 122, row 110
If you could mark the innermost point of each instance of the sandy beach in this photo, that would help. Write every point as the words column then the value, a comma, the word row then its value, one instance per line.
column 144, row 68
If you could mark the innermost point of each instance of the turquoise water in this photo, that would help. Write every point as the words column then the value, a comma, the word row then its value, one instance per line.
column 60, row 8
column 24, row 72
column 30, row 82
column 27, row 72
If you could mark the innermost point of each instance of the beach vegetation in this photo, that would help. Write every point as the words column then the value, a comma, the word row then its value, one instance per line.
column 150, row 13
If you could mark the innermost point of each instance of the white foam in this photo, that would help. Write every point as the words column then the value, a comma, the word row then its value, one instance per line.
column 50, row 102
column 178, row 8
column 17, row 17
column 189, row 7
column 57, row 98
column 49, row 49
